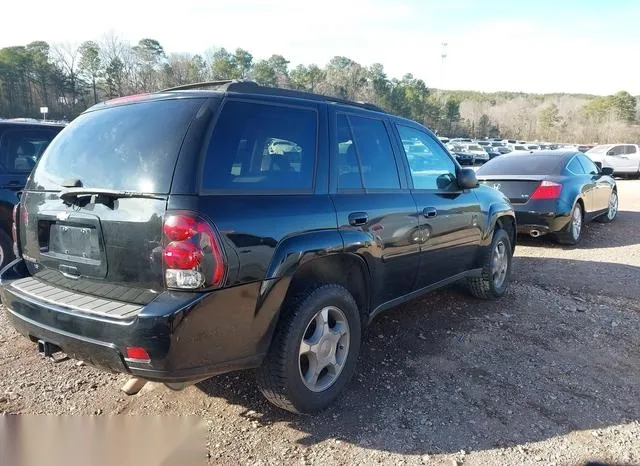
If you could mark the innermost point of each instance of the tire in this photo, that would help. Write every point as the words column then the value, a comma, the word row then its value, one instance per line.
column 612, row 212
column 280, row 377
column 572, row 234
column 6, row 249
column 494, row 281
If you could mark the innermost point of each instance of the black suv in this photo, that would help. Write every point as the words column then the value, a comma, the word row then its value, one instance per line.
column 21, row 145
column 190, row 232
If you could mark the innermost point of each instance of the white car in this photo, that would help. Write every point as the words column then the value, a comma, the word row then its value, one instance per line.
column 623, row 158
column 478, row 151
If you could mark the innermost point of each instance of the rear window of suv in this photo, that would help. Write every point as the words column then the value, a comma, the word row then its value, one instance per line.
column 130, row 147
column 259, row 146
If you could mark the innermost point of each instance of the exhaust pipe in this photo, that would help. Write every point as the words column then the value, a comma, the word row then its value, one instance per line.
column 534, row 233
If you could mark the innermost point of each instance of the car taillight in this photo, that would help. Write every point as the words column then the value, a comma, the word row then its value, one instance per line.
column 192, row 254
column 14, row 231
column 547, row 190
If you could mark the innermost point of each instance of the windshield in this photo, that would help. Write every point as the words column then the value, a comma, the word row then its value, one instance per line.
column 130, row 147
column 522, row 165
column 600, row 149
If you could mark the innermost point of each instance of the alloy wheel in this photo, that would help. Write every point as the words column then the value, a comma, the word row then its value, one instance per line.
column 576, row 223
column 613, row 206
column 324, row 349
column 500, row 264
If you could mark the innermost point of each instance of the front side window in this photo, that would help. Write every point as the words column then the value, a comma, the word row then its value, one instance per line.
column 589, row 167
column 257, row 146
column 20, row 149
column 616, row 150
column 575, row 167
column 432, row 168
column 630, row 149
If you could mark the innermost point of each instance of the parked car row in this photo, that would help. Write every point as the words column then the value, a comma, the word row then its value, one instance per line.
column 208, row 228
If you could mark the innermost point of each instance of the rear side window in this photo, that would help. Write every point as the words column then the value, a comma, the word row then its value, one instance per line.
column 365, row 154
column 130, row 147
column 20, row 149
column 526, row 164
column 258, row 147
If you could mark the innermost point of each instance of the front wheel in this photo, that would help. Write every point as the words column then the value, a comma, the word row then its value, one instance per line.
column 493, row 282
column 612, row 210
column 314, row 350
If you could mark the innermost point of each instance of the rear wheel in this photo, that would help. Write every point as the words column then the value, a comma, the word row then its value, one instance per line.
column 572, row 233
column 612, row 211
column 493, row 282
column 314, row 350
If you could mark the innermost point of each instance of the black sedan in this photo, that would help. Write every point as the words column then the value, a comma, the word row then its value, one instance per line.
column 553, row 192
column 464, row 158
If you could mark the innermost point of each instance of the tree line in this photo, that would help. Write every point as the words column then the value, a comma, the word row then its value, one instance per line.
column 68, row 79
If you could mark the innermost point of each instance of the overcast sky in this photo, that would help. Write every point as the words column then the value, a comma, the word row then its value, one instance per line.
column 586, row 46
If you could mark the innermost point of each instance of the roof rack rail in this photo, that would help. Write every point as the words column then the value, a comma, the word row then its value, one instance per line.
column 249, row 86
column 221, row 85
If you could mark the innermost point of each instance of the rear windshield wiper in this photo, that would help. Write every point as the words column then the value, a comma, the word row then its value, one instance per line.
column 72, row 195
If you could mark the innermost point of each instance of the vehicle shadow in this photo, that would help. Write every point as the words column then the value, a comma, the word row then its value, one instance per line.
column 447, row 373
column 623, row 231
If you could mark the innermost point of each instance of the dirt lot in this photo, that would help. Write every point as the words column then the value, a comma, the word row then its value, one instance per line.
column 548, row 375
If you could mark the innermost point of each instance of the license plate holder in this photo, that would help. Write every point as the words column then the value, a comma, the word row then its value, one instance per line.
column 80, row 242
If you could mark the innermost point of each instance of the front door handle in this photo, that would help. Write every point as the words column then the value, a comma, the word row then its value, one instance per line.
column 429, row 212
column 357, row 219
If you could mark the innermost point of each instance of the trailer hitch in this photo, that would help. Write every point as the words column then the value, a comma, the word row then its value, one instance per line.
column 50, row 350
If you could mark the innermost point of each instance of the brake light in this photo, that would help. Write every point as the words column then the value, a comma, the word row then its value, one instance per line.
column 547, row 190
column 192, row 254
column 14, row 231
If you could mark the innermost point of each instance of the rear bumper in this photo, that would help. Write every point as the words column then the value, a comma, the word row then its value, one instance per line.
column 541, row 222
column 188, row 336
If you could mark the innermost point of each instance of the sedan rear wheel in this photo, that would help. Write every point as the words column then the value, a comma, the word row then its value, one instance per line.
column 573, row 231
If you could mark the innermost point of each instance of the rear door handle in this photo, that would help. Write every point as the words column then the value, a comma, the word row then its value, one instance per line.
column 14, row 185
column 429, row 212
column 357, row 219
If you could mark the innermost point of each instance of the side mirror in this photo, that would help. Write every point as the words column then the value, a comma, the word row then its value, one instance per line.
column 599, row 165
column 610, row 152
column 467, row 178
column 608, row 171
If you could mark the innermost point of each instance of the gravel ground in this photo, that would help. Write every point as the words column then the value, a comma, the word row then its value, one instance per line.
column 548, row 375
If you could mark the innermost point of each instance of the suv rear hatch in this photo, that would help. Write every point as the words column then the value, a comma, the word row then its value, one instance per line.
column 91, row 216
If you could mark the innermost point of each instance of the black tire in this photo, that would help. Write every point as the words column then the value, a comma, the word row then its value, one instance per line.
column 567, row 235
column 279, row 377
column 6, row 249
column 612, row 212
column 487, row 286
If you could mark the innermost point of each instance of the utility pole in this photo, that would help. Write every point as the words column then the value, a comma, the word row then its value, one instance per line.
column 443, row 56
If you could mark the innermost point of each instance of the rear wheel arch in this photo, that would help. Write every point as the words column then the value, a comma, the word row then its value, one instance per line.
column 347, row 270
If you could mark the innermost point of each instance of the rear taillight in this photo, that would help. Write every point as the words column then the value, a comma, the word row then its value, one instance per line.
column 192, row 254
column 547, row 190
column 14, row 231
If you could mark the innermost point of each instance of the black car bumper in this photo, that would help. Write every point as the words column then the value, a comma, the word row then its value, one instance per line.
column 188, row 336
column 540, row 223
